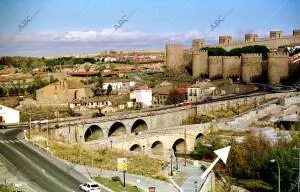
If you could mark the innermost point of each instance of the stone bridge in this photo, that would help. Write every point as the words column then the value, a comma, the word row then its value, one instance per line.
column 161, row 142
column 139, row 129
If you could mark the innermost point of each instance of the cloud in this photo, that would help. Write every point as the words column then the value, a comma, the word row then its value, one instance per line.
column 90, row 41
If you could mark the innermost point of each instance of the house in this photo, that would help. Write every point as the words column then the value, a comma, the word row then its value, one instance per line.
column 9, row 115
column 140, row 97
column 63, row 91
column 126, row 84
column 160, row 98
column 91, row 103
column 200, row 91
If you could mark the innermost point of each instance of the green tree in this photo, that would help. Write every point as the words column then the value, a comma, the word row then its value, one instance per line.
column 2, row 91
column 109, row 89
column 175, row 97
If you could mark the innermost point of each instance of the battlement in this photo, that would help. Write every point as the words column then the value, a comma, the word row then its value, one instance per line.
column 231, row 57
column 173, row 45
column 251, row 55
column 215, row 57
column 199, row 52
column 278, row 54
column 188, row 50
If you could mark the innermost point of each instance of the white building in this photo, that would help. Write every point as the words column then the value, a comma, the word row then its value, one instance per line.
column 118, row 84
column 144, row 96
column 141, row 96
column 9, row 115
column 200, row 91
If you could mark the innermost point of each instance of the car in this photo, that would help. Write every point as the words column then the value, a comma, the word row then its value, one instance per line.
column 2, row 127
column 90, row 187
column 185, row 103
column 43, row 121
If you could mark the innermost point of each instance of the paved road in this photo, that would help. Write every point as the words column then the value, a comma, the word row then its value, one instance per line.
column 41, row 173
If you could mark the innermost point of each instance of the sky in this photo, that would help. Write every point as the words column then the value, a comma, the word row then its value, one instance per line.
column 57, row 27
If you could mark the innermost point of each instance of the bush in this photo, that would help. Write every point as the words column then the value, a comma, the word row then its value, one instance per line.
column 115, row 178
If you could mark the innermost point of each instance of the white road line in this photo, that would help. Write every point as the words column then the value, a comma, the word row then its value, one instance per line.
column 6, row 141
column 11, row 141
column 2, row 141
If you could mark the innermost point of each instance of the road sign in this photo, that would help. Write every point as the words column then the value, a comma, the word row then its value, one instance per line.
column 222, row 154
column 122, row 164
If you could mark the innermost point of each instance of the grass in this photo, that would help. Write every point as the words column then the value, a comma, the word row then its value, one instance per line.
column 104, row 158
column 117, row 186
column 180, row 177
column 44, row 112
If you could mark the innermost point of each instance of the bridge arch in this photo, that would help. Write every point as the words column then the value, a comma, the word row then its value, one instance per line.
column 136, row 148
column 199, row 136
column 117, row 129
column 94, row 132
column 179, row 146
column 157, row 148
column 139, row 126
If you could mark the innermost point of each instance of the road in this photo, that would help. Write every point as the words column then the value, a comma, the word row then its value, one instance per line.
column 41, row 172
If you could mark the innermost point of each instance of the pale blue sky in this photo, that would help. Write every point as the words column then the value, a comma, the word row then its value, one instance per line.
column 87, row 26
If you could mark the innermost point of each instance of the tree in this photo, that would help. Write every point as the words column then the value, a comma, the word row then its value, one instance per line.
column 2, row 92
column 98, row 86
column 87, row 67
column 175, row 97
column 109, row 89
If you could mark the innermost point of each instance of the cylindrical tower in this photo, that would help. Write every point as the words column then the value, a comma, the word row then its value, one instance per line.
column 275, row 34
column 278, row 67
column 174, row 59
column 251, row 66
column 251, row 37
column 188, row 58
column 200, row 64
column 198, row 43
column 231, row 66
column 225, row 40
column 296, row 32
column 215, row 66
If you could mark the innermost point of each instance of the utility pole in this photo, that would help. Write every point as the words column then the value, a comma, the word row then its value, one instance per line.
column 29, row 124
column 185, row 147
column 47, row 130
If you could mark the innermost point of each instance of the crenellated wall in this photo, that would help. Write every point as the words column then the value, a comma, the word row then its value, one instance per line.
column 278, row 67
column 231, row 66
column 251, row 66
column 215, row 66
column 200, row 63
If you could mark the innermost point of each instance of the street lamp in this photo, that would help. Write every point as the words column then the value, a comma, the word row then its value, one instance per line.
column 274, row 161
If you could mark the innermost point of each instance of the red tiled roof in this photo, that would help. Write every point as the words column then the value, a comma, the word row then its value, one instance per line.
column 181, row 90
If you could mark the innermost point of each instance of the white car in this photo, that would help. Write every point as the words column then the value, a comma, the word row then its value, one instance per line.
column 90, row 187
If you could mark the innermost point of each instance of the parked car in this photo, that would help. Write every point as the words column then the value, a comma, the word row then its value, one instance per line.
column 90, row 187
column 2, row 127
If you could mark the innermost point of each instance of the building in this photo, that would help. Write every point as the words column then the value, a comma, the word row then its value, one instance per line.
column 141, row 97
column 200, row 91
column 9, row 115
column 119, row 84
column 91, row 103
column 160, row 98
column 64, row 91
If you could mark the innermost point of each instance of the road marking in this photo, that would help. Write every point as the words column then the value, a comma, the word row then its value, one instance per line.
column 2, row 141
column 12, row 141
